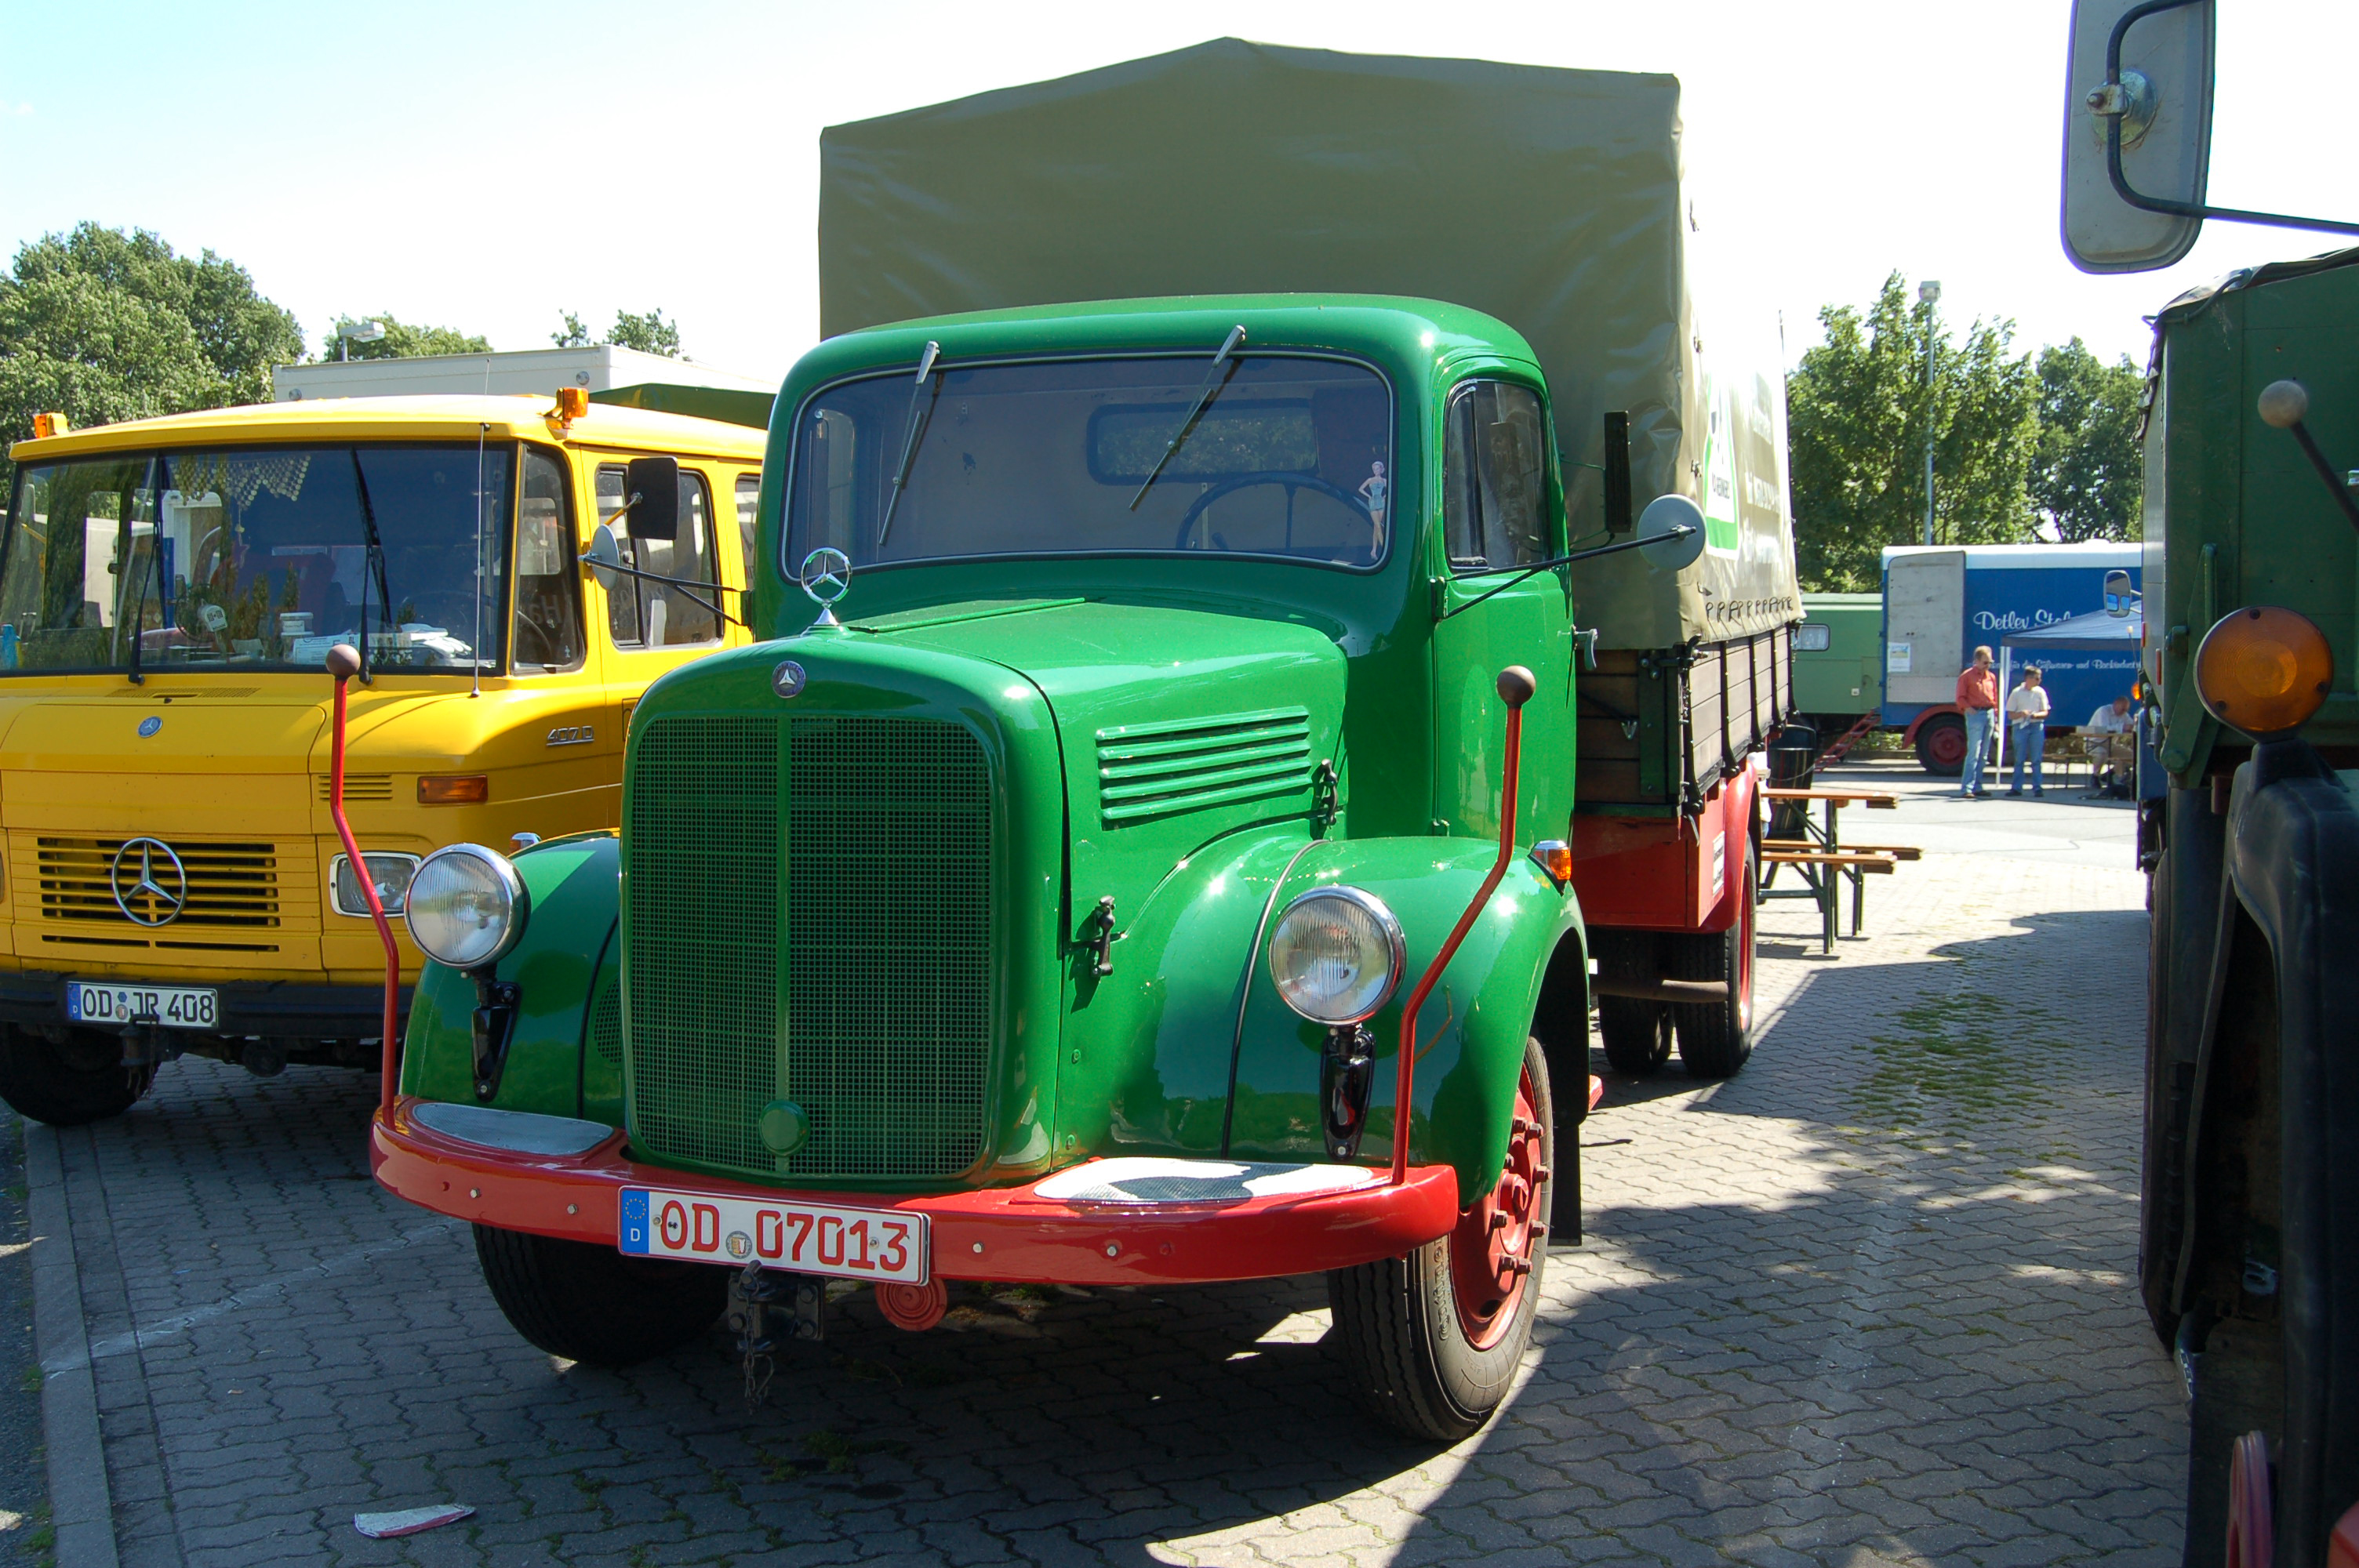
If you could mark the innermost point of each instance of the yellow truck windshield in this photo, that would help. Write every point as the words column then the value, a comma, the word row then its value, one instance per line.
column 260, row 558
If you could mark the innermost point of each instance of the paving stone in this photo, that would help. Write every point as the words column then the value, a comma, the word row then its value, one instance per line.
column 1870, row 1301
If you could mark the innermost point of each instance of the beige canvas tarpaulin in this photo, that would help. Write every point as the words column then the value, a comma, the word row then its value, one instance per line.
column 1551, row 198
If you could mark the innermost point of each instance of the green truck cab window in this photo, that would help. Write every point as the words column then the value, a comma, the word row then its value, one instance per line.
column 1290, row 459
column 1495, row 476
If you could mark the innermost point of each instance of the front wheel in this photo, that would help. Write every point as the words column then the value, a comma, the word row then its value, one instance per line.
column 590, row 1304
column 1433, row 1340
column 70, row 1082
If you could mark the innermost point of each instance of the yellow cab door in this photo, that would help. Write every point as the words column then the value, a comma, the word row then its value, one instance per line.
column 572, row 777
column 652, row 627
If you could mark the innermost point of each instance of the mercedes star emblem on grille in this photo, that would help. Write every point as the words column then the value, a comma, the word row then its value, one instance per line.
column 145, row 896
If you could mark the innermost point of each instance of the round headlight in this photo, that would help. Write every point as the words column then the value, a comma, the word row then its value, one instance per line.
column 466, row 906
column 1336, row 954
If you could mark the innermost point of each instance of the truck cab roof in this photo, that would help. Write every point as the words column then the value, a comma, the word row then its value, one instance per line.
column 442, row 417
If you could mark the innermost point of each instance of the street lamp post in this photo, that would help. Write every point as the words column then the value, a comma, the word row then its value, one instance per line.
column 351, row 332
column 1930, row 291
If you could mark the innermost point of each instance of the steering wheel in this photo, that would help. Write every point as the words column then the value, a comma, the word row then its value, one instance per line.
column 1292, row 482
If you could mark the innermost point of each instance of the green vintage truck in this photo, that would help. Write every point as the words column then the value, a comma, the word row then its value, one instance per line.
column 2249, row 1256
column 1144, row 852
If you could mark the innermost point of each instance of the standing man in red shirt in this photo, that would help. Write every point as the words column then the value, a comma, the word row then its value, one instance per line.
column 1978, row 699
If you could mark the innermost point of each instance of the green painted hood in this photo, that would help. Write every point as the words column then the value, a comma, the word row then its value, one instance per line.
column 1177, row 725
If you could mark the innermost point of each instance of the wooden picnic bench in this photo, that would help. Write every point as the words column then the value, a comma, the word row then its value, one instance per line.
column 1821, row 858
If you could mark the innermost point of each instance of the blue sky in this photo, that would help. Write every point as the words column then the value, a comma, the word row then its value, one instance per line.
column 488, row 166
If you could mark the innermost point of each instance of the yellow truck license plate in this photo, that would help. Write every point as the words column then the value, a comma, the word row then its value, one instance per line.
column 174, row 1007
column 799, row 1238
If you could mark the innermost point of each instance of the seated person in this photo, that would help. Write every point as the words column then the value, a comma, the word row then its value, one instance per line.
column 2111, row 742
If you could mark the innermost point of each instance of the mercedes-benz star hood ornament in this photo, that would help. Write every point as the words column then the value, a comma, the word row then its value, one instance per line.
column 826, row 577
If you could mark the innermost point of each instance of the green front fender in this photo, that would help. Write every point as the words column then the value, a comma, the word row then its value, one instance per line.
column 558, row 964
column 1471, row 1032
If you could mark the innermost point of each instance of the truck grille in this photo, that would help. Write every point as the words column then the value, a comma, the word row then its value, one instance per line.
column 810, row 919
column 228, row 884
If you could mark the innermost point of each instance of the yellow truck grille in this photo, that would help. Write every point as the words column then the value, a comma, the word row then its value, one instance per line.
column 217, row 885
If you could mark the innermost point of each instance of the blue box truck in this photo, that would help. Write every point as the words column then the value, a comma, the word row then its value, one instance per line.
column 1940, row 603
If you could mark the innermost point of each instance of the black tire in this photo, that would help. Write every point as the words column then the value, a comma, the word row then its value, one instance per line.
column 1716, row 1038
column 1637, row 1034
column 590, row 1304
column 68, row 1083
column 1941, row 745
column 1398, row 1324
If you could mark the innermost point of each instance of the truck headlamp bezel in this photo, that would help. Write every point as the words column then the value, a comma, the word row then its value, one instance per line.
column 496, row 903
column 1377, row 937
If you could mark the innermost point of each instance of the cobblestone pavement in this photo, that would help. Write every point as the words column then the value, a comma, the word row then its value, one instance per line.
column 1869, row 1302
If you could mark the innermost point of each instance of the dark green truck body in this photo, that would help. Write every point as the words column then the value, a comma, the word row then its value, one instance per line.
column 2249, row 1260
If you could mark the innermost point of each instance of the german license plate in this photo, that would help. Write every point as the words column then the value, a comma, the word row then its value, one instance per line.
column 800, row 1238
column 174, row 1007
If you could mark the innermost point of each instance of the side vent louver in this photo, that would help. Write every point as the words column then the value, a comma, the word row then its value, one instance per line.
column 1156, row 770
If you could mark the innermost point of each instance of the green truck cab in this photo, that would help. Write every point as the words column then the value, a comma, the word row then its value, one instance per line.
column 2249, row 1234
column 1141, row 853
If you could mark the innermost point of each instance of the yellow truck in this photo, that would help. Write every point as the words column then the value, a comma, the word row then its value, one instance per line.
column 171, row 880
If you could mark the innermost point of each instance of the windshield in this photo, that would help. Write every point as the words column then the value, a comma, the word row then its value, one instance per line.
column 257, row 559
column 1291, row 457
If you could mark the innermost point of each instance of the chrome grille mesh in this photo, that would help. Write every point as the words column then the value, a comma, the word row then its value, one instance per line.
column 701, row 1008
column 865, row 842
column 888, row 956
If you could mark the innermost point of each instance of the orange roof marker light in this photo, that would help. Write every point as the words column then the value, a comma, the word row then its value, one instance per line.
column 47, row 425
column 572, row 402
column 2264, row 670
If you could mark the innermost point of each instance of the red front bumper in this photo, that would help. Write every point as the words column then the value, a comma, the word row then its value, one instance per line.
column 1009, row 1234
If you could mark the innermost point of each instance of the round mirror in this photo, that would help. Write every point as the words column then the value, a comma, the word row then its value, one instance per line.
column 1674, row 524
column 605, row 554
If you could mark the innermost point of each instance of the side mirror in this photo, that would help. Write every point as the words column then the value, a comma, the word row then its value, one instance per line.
column 2120, row 598
column 2162, row 101
column 1671, row 549
column 652, row 486
column 605, row 554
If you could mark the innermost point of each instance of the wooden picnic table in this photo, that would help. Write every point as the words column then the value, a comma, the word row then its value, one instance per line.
column 1818, row 855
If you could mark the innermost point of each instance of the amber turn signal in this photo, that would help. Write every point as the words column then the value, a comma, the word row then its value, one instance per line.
column 2264, row 670
column 47, row 425
column 1554, row 857
column 572, row 402
column 454, row 789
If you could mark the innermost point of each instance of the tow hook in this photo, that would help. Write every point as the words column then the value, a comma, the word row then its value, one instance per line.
column 754, row 1293
column 144, row 1045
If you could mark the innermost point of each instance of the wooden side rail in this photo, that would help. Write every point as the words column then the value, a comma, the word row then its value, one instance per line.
column 1897, row 851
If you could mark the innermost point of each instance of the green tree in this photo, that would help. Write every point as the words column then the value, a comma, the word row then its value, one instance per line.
column 2088, row 471
column 103, row 325
column 1857, row 411
column 650, row 334
column 572, row 335
column 402, row 340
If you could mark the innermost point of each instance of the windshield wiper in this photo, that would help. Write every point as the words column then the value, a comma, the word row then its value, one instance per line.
column 376, row 563
column 929, row 388
column 1213, row 383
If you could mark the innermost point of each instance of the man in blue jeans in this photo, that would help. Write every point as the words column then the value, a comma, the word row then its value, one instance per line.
column 2026, row 713
column 1978, row 700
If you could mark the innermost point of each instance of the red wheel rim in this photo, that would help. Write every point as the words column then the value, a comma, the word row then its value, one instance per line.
column 1491, row 1251
column 1947, row 745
